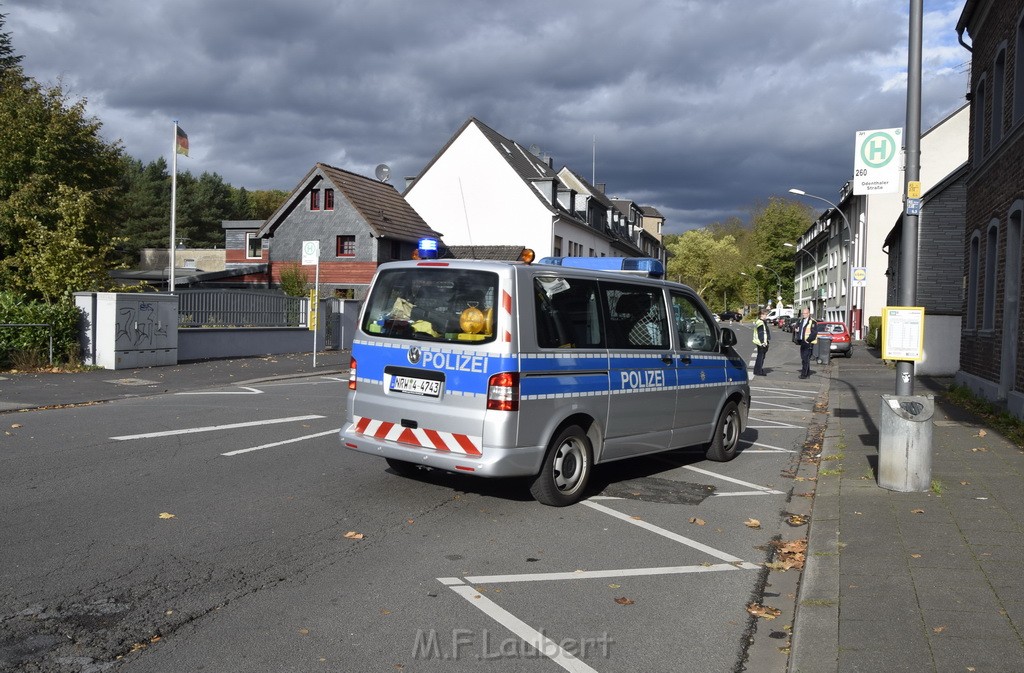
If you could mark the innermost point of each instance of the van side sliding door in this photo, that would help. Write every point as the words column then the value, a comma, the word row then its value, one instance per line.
column 641, row 368
column 700, row 372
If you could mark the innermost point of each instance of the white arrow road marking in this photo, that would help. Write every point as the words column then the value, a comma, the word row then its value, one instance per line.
column 212, row 428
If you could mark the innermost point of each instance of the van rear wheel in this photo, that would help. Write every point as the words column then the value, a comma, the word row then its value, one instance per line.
column 566, row 470
column 727, row 435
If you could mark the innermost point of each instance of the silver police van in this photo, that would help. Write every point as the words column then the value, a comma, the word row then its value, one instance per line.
column 501, row 369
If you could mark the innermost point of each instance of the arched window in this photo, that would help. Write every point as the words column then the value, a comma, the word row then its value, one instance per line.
column 988, row 318
column 998, row 95
column 978, row 115
column 1018, row 73
column 972, row 281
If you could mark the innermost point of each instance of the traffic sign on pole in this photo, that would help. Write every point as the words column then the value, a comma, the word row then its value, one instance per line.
column 876, row 165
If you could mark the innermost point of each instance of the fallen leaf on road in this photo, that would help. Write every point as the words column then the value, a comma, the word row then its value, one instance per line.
column 763, row 611
column 696, row 521
column 965, row 483
column 982, row 433
column 980, row 449
column 939, row 629
column 917, row 511
column 637, row 518
column 623, row 601
column 303, row 632
column 352, row 535
column 15, row 425
column 613, row 586
column 915, row 556
column 166, row 515
column 797, row 519
column 752, row 523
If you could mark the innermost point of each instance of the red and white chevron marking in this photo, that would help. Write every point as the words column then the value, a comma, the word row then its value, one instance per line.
column 422, row 437
column 506, row 307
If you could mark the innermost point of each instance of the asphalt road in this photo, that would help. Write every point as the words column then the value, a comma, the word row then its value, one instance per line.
column 228, row 530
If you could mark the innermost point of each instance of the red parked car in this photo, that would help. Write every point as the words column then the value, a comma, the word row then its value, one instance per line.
column 841, row 341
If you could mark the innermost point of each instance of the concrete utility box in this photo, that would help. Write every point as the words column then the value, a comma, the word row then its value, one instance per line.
column 905, row 442
column 123, row 330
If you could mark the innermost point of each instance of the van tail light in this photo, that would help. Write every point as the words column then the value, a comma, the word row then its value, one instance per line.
column 503, row 392
column 352, row 374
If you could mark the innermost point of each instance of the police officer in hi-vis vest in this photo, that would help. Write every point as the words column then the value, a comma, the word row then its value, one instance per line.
column 761, row 341
column 806, row 336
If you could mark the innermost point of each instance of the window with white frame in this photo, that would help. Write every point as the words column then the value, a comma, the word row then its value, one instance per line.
column 253, row 246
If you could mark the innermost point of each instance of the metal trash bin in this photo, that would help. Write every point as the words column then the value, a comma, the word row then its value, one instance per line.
column 905, row 442
column 823, row 348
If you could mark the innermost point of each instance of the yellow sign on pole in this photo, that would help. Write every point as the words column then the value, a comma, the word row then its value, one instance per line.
column 913, row 189
column 903, row 333
column 313, row 306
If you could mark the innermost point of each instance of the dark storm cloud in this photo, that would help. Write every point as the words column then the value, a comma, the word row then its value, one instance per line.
column 702, row 109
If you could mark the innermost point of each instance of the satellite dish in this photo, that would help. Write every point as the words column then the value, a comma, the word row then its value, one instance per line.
column 383, row 172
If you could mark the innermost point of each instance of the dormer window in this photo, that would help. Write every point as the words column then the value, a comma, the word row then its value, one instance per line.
column 328, row 199
column 314, row 200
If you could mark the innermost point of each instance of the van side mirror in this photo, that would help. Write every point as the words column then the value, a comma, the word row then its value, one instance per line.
column 728, row 337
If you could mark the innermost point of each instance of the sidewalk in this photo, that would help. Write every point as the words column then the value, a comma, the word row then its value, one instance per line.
column 32, row 391
column 911, row 581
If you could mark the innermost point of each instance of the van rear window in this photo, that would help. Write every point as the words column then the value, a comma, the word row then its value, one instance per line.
column 433, row 304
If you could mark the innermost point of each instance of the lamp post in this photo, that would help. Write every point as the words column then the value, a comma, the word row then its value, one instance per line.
column 756, row 287
column 778, row 279
column 849, row 257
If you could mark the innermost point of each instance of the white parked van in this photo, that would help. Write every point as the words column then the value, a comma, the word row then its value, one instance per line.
column 777, row 313
column 500, row 369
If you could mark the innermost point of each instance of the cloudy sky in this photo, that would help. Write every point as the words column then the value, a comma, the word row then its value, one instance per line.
column 702, row 108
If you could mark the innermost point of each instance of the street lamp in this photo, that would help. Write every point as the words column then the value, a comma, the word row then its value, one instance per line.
column 778, row 278
column 849, row 258
column 757, row 287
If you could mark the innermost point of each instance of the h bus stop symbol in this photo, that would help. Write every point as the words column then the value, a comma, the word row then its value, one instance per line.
column 876, row 170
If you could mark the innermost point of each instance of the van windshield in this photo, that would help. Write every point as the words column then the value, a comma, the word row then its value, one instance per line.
column 433, row 304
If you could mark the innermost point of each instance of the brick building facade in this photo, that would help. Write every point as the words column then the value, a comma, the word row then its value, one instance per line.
column 992, row 356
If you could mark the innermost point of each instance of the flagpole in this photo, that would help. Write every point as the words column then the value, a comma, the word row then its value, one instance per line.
column 174, row 201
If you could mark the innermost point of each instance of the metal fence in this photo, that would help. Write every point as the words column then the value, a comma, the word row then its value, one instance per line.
column 240, row 308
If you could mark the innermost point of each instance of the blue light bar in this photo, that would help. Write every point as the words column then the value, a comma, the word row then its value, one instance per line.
column 648, row 266
column 427, row 248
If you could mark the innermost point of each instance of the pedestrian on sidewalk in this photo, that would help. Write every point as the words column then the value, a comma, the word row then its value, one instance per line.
column 806, row 335
column 761, row 341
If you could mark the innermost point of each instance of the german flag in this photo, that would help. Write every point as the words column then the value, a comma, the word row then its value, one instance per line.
column 181, row 141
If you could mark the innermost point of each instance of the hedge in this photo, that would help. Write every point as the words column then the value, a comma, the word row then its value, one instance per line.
column 874, row 336
column 15, row 309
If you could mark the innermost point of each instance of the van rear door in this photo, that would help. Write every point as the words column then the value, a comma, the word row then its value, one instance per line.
column 425, row 356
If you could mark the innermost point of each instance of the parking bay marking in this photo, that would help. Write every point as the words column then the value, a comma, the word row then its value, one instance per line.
column 761, row 490
column 538, row 640
column 213, row 428
column 281, row 443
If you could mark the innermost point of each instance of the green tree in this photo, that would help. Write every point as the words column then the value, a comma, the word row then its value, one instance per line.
column 50, row 149
column 265, row 203
column 53, row 262
column 9, row 61
column 708, row 264
column 779, row 221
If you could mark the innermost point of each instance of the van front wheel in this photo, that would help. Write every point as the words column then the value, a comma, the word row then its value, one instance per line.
column 727, row 435
column 566, row 470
